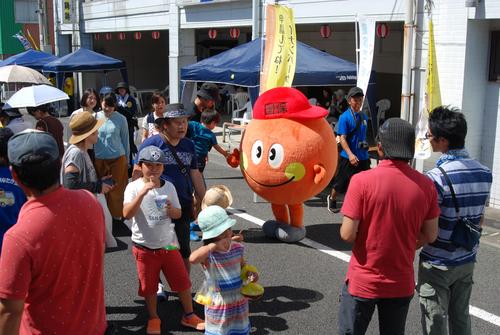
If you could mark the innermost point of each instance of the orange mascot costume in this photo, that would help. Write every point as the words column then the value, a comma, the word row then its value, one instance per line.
column 288, row 154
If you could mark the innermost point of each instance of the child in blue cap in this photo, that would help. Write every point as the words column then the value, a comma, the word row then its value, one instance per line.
column 152, row 203
column 222, row 256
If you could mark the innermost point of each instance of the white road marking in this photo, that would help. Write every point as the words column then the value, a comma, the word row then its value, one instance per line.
column 474, row 311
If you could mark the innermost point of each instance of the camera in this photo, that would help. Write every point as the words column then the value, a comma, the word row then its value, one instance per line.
column 363, row 145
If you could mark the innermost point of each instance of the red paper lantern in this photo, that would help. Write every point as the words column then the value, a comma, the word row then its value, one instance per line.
column 108, row 36
column 121, row 36
column 155, row 35
column 234, row 33
column 382, row 30
column 212, row 34
column 97, row 37
column 325, row 31
column 137, row 35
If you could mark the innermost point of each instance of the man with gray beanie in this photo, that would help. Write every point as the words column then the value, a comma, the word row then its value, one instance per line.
column 388, row 212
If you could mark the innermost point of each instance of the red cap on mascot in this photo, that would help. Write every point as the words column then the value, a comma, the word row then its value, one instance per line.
column 286, row 103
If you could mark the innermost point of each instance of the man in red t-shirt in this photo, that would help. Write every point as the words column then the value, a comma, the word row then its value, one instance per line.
column 388, row 212
column 51, row 269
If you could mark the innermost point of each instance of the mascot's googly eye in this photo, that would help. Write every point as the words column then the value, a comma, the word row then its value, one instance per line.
column 257, row 151
column 276, row 155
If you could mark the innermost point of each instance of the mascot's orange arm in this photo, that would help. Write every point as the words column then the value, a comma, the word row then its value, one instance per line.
column 319, row 173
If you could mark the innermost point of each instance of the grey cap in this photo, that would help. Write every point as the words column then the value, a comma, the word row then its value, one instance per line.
column 152, row 154
column 397, row 138
column 31, row 142
column 355, row 91
column 209, row 91
column 175, row 110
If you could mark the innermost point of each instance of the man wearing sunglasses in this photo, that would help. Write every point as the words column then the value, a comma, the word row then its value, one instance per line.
column 445, row 268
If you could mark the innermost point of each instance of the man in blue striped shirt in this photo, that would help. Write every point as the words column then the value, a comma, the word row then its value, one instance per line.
column 445, row 269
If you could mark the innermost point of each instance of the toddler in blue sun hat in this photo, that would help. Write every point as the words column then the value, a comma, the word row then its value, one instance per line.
column 226, row 272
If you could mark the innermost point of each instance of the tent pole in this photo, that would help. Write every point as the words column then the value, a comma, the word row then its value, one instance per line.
column 357, row 45
column 407, row 59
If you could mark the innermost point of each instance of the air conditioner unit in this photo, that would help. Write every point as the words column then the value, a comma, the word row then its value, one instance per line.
column 471, row 3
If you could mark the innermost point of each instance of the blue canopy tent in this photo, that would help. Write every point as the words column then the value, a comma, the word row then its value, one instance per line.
column 85, row 60
column 241, row 66
column 30, row 58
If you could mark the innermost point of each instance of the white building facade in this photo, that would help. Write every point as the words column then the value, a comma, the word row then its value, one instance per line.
column 467, row 48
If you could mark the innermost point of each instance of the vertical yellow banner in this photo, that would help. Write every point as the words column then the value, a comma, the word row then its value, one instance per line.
column 280, row 48
column 433, row 91
column 423, row 149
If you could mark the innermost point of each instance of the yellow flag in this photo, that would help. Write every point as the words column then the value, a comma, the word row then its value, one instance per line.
column 280, row 48
column 423, row 148
column 433, row 92
column 33, row 43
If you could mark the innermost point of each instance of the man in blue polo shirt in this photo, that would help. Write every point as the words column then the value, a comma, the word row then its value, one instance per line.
column 354, row 155
column 446, row 269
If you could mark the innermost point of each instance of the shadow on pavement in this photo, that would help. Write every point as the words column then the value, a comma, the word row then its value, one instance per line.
column 120, row 246
column 316, row 202
column 256, row 235
column 134, row 325
column 327, row 234
column 278, row 300
column 170, row 312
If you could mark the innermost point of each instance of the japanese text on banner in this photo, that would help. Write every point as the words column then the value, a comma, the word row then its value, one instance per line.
column 366, row 46
column 280, row 48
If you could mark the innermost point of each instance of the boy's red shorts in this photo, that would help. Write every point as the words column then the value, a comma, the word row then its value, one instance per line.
column 150, row 263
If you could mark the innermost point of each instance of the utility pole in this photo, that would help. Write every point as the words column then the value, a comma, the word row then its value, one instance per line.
column 407, row 59
column 256, row 19
column 43, row 26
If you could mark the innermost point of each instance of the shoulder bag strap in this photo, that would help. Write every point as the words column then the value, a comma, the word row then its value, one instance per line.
column 182, row 167
column 358, row 124
column 454, row 197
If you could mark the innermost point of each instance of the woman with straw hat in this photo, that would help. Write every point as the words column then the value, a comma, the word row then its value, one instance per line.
column 78, row 172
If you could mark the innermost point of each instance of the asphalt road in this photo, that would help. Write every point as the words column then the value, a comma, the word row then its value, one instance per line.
column 302, row 281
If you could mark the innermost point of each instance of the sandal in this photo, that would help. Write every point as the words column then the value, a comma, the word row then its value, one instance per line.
column 154, row 327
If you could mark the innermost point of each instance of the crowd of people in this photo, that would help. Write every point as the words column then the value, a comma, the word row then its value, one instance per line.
column 62, row 206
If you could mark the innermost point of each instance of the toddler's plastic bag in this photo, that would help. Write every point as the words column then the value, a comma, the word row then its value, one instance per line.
column 205, row 294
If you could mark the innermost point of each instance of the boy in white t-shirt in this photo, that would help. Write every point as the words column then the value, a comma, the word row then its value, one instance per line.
column 152, row 203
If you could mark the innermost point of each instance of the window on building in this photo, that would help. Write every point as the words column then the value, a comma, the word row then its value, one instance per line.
column 26, row 11
column 494, row 71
